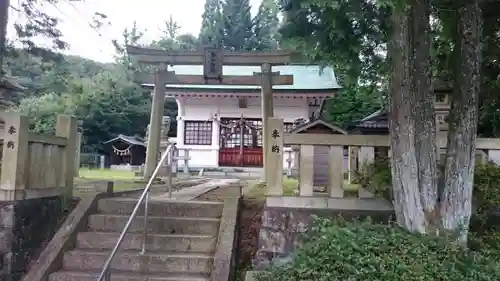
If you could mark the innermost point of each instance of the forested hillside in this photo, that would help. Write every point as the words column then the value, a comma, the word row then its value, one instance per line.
column 107, row 97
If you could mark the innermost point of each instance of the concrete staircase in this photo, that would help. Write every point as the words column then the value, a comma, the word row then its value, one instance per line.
column 180, row 244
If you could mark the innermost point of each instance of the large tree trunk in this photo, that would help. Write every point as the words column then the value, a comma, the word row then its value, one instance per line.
column 423, row 112
column 460, row 158
column 4, row 18
column 412, row 120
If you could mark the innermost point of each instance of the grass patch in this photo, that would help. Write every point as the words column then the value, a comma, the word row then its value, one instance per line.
column 258, row 190
column 106, row 174
column 91, row 181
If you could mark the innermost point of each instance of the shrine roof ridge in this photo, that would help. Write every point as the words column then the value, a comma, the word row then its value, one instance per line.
column 305, row 77
column 377, row 119
column 128, row 139
column 319, row 121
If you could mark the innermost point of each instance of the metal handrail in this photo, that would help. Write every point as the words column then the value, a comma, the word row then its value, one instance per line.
column 104, row 275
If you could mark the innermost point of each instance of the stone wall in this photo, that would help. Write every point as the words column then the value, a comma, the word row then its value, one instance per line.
column 25, row 226
column 281, row 229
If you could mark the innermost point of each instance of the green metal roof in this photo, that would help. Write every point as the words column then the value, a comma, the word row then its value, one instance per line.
column 305, row 77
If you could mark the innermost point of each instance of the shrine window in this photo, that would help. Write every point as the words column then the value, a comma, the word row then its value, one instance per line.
column 197, row 133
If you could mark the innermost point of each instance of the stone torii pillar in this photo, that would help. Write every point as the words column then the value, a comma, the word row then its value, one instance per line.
column 155, row 122
column 267, row 107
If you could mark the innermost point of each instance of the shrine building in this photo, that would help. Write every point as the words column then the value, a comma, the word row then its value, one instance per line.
column 125, row 152
column 221, row 124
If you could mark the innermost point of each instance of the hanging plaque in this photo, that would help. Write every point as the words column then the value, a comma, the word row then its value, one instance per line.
column 212, row 68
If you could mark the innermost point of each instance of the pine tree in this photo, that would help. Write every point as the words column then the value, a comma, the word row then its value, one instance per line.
column 211, row 24
column 237, row 24
column 171, row 28
column 266, row 24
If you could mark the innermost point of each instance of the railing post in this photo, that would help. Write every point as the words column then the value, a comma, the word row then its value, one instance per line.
column 14, row 158
column 67, row 127
column 107, row 275
column 173, row 165
column 144, row 196
column 145, row 224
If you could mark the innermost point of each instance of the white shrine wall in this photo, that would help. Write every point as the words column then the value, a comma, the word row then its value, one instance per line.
column 206, row 108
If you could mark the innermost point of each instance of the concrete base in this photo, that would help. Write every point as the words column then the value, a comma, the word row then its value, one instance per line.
column 285, row 218
column 338, row 204
column 24, row 226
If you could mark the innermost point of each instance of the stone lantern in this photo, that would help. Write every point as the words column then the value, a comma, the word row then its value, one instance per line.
column 442, row 91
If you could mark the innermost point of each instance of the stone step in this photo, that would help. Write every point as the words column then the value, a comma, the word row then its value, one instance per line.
column 150, row 262
column 156, row 225
column 155, row 242
column 124, row 206
column 125, row 276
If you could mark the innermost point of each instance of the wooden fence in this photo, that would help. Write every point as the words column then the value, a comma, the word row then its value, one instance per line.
column 36, row 165
column 361, row 150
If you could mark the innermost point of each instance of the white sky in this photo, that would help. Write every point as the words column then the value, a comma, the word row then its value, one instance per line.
column 150, row 16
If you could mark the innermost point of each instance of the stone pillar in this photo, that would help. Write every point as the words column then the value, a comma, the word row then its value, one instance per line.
column 155, row 124
column 267, row 105
column 14, row 155
column 180, row 121
column 296, row 159
column 306, row 170
column 78, row 152
column 366, row 155
column 274, row 157
column 352, row 163
column 216, row 140
column 215, row 133
column 67, row 127
column 336, row 172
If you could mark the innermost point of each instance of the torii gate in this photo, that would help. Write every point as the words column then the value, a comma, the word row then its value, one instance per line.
column 212, row 59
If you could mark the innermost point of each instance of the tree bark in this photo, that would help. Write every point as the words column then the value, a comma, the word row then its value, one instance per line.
column 4, row 18
column 460, row 158
column 423, row 112
column 412, row 119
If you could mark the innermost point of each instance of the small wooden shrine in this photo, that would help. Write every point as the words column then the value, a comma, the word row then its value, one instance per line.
column 321, row 153
column 125, row 151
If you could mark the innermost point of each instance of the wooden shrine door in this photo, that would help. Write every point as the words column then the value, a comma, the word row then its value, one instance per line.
column 241, row 142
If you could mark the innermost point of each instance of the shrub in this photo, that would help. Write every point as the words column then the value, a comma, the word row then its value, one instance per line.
column 376, row 178
column 486, row 190
column 366, row 251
